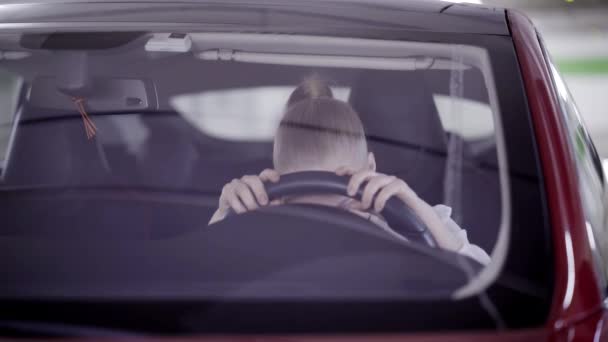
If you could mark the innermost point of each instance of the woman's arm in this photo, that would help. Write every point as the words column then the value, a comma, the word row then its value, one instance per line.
column 445, row 239
column 381, row 187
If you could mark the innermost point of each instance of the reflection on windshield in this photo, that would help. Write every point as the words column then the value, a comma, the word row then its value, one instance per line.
column 247, row 114
column 175, row 134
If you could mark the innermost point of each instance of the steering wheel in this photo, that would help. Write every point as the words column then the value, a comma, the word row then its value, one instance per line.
column 399, row 216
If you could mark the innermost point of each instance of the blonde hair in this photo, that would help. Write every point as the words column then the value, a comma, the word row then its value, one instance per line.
column 318, row 132
column 313, row 87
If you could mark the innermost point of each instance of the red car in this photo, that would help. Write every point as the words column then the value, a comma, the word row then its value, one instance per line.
column 124, row 122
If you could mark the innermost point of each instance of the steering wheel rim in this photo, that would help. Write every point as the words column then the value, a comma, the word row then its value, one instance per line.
column 398, row 215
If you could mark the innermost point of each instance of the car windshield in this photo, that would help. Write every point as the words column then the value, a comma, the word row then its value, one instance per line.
column 116, row 147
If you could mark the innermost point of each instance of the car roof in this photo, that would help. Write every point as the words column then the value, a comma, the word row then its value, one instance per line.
column 409, row 15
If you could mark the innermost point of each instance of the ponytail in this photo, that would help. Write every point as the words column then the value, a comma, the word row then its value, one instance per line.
column 311, row 88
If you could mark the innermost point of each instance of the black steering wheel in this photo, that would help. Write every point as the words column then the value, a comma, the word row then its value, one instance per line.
column 399, row 216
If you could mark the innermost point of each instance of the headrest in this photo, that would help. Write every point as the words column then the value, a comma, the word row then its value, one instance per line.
column 398, row 106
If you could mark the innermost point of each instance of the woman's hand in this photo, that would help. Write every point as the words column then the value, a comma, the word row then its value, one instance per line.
column 379, row 189
column 244, row 194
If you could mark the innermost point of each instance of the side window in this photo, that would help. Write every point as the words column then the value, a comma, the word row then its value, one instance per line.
column 10, row 85
column 590, row 175
column 478, row 115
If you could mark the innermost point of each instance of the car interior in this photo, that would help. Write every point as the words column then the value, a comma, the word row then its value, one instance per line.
column 50, row 157
column 150, row 173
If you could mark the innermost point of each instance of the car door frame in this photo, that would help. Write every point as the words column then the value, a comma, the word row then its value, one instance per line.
column 577, row 294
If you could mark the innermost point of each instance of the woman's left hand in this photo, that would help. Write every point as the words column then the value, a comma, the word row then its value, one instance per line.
column 378, row 189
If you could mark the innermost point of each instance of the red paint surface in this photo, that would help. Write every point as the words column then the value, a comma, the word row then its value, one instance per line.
column 560, row 176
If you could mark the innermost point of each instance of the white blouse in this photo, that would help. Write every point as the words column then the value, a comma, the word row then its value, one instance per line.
column 444, row 212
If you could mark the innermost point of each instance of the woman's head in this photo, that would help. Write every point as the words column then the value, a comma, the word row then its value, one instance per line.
column 318, row 132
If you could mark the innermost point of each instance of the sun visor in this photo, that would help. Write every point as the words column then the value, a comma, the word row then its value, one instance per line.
column 103, row 95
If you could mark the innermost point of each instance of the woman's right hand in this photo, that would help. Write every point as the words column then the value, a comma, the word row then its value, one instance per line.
column 244, row 194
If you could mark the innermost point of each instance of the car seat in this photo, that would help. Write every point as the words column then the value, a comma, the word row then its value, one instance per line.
column 403, row 129
column 405, row 133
